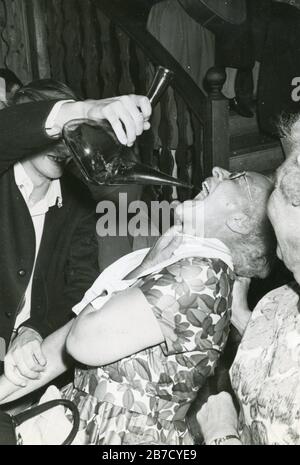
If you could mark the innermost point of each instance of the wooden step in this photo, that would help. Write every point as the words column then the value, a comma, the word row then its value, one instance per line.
column 255, row 152
column 239, row 125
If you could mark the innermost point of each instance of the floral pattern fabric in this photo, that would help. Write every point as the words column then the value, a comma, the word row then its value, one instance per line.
column 143, row 399
column 265, row 374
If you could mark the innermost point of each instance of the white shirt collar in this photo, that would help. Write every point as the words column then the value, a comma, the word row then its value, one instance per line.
column 113, row 278
column 24, row 183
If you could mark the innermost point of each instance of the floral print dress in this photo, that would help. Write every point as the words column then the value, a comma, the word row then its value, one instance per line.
column 143, row 399
column 265, row 374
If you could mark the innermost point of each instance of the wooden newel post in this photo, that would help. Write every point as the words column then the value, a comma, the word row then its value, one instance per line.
column 216, row 127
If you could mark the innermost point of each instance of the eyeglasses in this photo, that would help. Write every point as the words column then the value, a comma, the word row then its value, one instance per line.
column 242, row 175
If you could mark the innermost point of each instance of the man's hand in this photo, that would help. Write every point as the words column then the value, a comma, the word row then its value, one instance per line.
column 162, row 250
column 164, row 247
column 217, row 417
column 128, row 115
column 25, row 359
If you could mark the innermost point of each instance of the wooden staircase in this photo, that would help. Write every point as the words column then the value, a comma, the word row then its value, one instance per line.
column 250, row 149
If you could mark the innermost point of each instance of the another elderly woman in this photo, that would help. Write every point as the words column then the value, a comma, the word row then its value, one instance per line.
column 156, row 335
column 265, row 374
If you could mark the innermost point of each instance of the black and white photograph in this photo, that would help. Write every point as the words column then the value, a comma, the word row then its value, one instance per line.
column 149, row 226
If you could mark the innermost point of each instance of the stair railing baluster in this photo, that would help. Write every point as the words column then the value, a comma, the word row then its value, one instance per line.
column 216, row 123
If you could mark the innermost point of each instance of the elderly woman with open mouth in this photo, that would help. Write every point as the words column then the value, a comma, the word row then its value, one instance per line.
column 151, row 329
column 265, row 374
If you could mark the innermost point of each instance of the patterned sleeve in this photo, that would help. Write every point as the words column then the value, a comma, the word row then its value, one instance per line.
column 191, row 300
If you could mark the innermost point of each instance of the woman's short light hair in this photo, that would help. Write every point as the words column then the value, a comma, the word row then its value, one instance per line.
column 288, row 174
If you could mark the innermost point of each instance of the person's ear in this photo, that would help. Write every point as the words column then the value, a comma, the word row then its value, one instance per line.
column 239, row 223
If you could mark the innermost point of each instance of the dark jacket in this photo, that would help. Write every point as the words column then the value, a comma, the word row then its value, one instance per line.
column 67, row 260
column 279, row 67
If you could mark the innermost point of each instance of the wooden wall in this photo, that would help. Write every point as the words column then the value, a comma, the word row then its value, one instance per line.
column 68, row 40
column 14, row 38
column 93, row 56
column 73, row 41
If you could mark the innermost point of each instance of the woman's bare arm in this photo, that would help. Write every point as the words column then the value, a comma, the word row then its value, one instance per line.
column 57, row 363
column 139, row 318
column 123, row 326
column 93, row 340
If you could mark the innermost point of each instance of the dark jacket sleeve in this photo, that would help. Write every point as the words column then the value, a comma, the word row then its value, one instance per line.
column 22, row 129
column 82, row 266
column 81, row 269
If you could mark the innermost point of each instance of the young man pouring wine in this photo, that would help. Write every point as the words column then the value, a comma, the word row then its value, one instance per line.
column 48, row 226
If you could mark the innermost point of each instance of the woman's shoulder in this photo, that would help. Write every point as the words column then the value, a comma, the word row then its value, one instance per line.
column 198, row 265
column 194, row 275
column 288, row 292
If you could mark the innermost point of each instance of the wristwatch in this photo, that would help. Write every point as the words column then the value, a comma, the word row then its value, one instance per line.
column 220, row 441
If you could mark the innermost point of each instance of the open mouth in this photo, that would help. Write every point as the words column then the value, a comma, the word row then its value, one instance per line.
column 205, row 191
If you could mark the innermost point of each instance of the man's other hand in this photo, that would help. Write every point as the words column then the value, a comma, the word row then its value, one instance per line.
column 25, row 359
column 217, row 417
column 161, row 251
